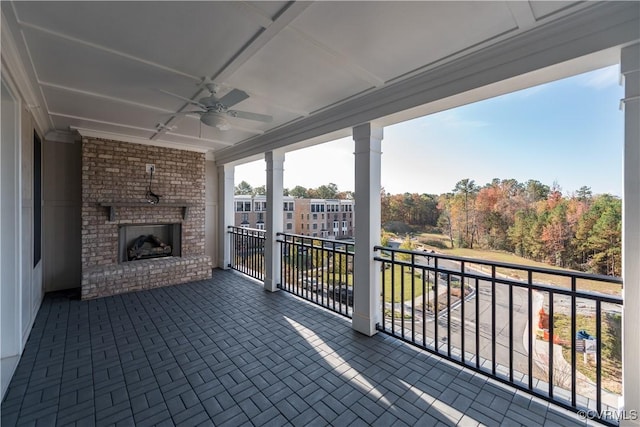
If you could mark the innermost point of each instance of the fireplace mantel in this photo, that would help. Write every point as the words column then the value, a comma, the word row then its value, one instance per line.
column 113, row 207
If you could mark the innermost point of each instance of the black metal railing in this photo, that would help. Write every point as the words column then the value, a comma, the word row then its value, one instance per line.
column 553, row 333
column 318, row 270
column 247, row 251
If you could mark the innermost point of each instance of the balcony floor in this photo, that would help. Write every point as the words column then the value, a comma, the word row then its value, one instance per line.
column 225, row 352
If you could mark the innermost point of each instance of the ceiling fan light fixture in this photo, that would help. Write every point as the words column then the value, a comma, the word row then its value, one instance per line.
column 216, row 120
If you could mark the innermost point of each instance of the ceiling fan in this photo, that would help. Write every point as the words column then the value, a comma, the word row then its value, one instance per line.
column 215, row 109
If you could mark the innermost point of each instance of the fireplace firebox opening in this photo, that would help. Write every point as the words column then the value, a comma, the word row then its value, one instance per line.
column 144, row 241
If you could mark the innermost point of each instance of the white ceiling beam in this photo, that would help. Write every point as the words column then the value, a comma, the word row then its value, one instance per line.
column 215, row 141
column 254, row 13
column 284, row 18
column 288, row 14
column 108, row 50
column 106, row 97
column 104, row 122
column 338, row 59
column 522, row 14
column 12, row 64
column 91, row 133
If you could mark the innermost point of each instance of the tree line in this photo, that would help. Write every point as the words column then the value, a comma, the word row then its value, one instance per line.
column 329, row 191
column 531, row 219
column 581, row 230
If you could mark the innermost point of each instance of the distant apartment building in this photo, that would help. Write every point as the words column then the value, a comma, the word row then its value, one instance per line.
column 251, row 212
column 328, row 218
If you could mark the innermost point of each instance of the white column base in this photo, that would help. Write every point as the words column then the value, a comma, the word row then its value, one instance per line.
column 363, row 324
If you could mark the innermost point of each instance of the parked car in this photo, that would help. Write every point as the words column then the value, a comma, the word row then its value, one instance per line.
column 311, row 284
column 342, row 294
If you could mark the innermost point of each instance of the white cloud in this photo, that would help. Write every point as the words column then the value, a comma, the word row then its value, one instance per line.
column 602, row 78
column 450, row 119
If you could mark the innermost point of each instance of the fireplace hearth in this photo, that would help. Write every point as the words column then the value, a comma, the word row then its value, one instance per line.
column 143, row 241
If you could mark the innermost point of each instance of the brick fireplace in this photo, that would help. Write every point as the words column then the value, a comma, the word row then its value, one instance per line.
column 114, row 200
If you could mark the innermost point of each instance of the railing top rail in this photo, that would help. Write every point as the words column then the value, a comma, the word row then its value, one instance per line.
column 233, row 228
column 542, row 270
column 320, row 239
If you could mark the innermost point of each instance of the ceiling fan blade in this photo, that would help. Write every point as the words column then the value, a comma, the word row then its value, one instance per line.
column 188, row 112
column 250, row 116
column 190, row 101
column 233, row 97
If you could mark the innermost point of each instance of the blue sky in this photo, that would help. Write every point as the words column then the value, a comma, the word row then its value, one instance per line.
column 570, row 131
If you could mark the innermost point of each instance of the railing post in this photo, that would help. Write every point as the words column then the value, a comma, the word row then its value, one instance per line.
column 366, row 273
column 273, row 223
column 630, row 69
column 226, row 212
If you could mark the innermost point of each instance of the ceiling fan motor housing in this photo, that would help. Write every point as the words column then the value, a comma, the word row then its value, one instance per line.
column 215, row 119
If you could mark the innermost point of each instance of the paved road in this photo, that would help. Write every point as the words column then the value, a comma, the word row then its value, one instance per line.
column 482, row 323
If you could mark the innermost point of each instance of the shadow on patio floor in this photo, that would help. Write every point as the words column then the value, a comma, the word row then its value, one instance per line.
column 225, row 352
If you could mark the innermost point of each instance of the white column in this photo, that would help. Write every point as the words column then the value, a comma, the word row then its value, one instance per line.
column 273, row 224
column 226, row 212
column 630, row 69
column 366, row 274
column 211, row 213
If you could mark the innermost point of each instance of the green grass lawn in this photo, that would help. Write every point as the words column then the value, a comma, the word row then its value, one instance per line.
column 611, row 361
column 396, row 274
column 328, row 277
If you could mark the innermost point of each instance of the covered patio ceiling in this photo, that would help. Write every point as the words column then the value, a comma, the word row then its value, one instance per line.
column 318, row 68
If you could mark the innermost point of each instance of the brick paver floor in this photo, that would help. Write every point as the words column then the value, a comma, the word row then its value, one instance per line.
column 225, row 352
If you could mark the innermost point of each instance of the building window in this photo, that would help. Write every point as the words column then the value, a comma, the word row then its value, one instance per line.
column 315, row 226
column 289, row 226
column 260, row 216
column 245, row 217
column 243, row 206
column 288, row 206
column 289, row 215
column 260, row 226
column 315, row 217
